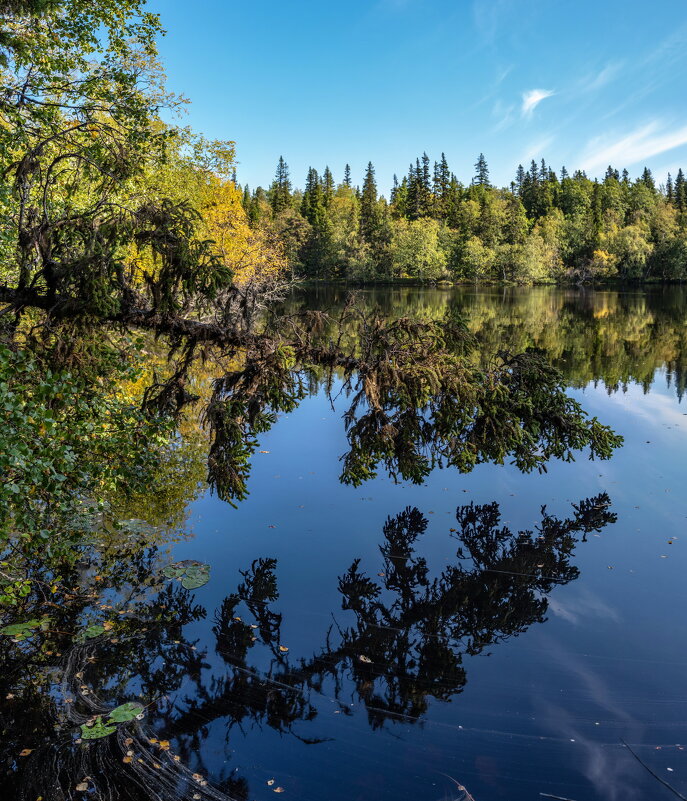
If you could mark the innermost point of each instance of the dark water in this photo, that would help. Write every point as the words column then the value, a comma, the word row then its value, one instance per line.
column 430, row 641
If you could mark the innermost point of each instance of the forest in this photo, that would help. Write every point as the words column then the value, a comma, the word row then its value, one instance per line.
column 153, row 335
column 544, row 227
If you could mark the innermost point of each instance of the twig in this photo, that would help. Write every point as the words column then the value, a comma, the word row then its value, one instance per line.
column 655, row 775
column 557, row 797
column 467, row 796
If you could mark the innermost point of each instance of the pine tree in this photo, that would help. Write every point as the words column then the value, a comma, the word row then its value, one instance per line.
column 280, row 190
column 670, row 195
column 312, row 200
column 369, row 216
column 327, row 187
column 680, row 191
column 442, row 180
column 520, row 178
column 414, row 205
column 481, row 172
column 648, row 179
column 394, row 190
column 543, row 172
column 347, row 175
column 426, row 194
column 564, row 173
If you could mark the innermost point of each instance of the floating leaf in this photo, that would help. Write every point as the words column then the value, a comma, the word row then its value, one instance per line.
column 125, row 712
column 94, row 630
column 365, row 659
column 283, row 649
column 22, row 630
column 192, row 574
column 97, row 730
column 25, row 752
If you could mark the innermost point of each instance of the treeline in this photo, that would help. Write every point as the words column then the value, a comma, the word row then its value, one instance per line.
column 545, row 226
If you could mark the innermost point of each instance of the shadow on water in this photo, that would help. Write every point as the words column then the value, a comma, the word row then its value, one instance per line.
column 113, row 631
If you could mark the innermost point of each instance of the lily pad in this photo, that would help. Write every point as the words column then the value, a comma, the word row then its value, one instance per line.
column 94, row 630
column 97, row 730
column 125, row 712
column 191, row 573
column 25, row 629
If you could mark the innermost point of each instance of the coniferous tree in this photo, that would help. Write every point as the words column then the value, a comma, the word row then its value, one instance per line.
column 246, row 199
column 369, row 214
column 327, row 187
column 648, row 179
column 347, row 175
column 481, row 172
column 312, row 199
column 670, row 195
column 520, row 178
column 414, row 205
column 680, row 191
column 442, row 180
column 281, row 187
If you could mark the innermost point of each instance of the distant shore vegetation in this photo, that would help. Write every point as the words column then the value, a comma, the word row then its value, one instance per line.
column 546, row 226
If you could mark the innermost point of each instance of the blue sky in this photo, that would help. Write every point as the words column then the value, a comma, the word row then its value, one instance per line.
column 578, row 82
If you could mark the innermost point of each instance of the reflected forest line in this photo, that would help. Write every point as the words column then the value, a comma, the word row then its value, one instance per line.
column 114, row 631
column 611, row 336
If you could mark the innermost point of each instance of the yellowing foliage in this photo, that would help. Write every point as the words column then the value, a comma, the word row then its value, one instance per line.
column 245, row 251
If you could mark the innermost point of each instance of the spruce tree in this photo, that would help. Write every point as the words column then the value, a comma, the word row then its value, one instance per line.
column 442, row 179
column 648, row 179
column 481, row 172
column 347, row 175
column 327, row 187
column 520, row 178
column 369, row 216
column 280, row 191
column 680, row 191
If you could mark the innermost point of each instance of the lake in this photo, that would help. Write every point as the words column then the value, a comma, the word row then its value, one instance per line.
column 504, row 632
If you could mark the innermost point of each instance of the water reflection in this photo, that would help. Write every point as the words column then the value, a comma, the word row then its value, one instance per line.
column 399, row 641
column 615, row 336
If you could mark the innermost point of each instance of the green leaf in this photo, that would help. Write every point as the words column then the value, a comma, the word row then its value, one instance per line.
column 22, row 630
column 97, row 730
column 125, row 712
column 94, row 630
column 192, row 574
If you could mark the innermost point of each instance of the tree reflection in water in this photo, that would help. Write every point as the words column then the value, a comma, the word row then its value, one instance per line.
column 405, row 645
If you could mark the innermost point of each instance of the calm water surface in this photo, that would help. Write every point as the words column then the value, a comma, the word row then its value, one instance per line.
column 430, row 641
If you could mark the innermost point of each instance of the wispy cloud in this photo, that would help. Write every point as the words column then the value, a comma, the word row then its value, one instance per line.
column 602, row 78
column 504, row 115
column 537, row 149
column 642, row 143
column 532, row 98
